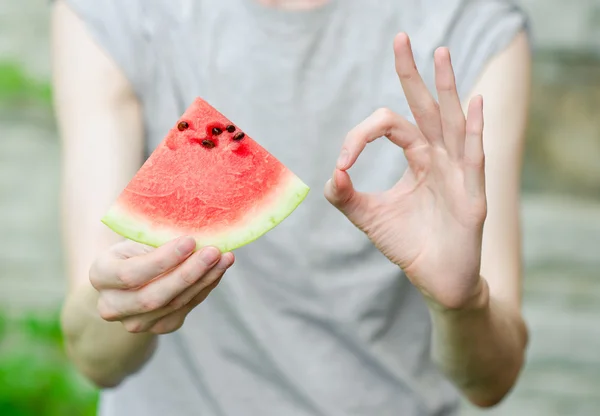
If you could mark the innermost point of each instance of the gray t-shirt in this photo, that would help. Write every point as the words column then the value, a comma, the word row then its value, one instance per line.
column 312, row 319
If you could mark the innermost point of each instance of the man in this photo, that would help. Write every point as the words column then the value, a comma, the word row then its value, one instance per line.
column 392, row 308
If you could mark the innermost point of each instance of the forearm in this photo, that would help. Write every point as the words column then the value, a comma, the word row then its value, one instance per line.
column 482, row 348
column 105, row 352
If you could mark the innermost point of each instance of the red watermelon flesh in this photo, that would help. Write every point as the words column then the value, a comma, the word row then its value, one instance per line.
column 207, row 179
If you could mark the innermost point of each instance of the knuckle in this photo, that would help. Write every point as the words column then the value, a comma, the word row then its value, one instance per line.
column 481, row 211
column 385, row 117
column 477, row 162
column 126, row 276
column 474, row 130
column 478, row 212
column 174, row 325
column 406, row 73
column 346, row 203
column 97, row 272
column 456, row 124
column 429, row 107
column 161, row 264
column 105, row 311
column 134, row 325
column 189, row 276
column 446, row 85
column 178, row 324
column 178, row 303
column 166, row 326
column 149, row 303
column 341, row 203
column 94, row 275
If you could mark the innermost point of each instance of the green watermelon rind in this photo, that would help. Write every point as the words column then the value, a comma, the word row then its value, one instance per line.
column 288, row 196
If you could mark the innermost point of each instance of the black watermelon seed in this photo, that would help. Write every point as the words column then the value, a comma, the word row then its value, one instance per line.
column 208, row 143
column 182, row 125
column 230, row 128
column 216, row 131
column 239, row 136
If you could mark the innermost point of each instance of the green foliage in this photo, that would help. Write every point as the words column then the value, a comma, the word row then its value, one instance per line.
column 36, row 377
column 17, row 87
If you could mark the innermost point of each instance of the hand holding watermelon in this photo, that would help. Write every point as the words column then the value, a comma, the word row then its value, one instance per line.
column 431, row 222
column 153, row 290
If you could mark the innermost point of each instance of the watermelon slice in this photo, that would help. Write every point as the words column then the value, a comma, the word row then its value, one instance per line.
column 207, row 179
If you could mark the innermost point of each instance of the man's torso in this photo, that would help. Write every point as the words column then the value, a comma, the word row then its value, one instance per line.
column 312, row 319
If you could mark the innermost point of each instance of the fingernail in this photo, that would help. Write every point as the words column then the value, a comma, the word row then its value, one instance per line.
column 343, row 159
column 209, row 255
column 333, row 181
column 186, row 246
column 227, row 260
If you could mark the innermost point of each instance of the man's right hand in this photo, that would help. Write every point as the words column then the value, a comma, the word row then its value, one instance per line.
column 137, row 288
column 153, row 290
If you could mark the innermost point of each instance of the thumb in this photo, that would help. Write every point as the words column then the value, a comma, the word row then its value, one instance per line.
column 340, row 192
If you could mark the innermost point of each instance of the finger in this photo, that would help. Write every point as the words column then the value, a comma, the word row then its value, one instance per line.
column 422, row 104
column 175, row 320
column 113, row 272
column 211, row 277
column 163, row 290
column 382, row 123
column 340, row 192
column 128, row 248
column 199, row 298
column 474, row 158
column 143, row 322
column 168, row 324
column 452, row 116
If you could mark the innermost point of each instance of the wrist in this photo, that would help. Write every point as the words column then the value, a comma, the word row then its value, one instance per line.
column 476, row 301
column 78, row 308
column 104, row 352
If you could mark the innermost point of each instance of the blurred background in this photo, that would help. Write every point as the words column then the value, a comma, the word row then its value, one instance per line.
column 561, row 217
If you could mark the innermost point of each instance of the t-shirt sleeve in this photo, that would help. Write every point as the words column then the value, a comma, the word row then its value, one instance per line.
column 118, row 28
column 480, row 30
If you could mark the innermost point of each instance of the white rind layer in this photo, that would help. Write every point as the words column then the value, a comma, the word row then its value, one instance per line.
column 268, row 213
